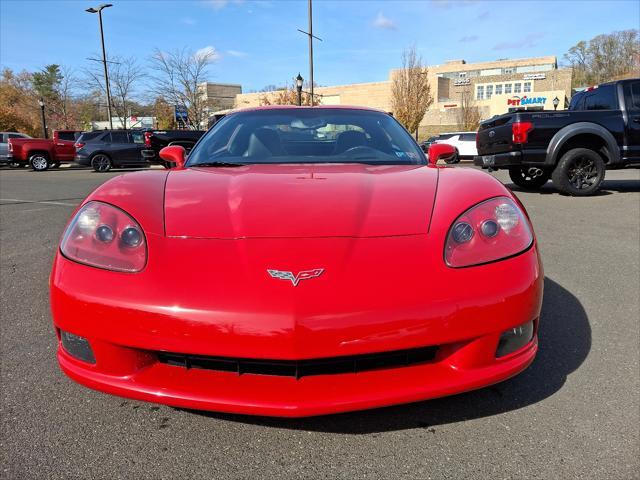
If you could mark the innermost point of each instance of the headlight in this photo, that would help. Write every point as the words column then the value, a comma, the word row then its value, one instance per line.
column 490, row 231
column 104, row 236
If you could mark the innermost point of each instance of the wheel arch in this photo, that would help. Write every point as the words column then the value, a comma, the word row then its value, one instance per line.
column 583, row 135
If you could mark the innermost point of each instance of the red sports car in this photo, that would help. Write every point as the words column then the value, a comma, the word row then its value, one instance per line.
column 301, row 261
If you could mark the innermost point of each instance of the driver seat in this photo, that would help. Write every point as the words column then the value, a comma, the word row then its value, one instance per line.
column 349, row 139
column 264, row 142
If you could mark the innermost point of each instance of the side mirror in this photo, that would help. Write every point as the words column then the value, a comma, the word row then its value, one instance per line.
column 442, row 151
column 175, row 154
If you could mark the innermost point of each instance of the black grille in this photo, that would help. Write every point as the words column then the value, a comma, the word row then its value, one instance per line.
column 303, row 368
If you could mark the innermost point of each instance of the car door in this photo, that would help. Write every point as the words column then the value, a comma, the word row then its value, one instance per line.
column 3, row 146
column 137, row 145
column 64, row 146
column 632, row 104
column 120, row 148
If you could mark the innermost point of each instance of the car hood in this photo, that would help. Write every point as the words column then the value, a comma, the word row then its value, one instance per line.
column 304, row 201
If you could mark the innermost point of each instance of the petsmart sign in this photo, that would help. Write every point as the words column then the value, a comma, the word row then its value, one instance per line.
column 523, row 101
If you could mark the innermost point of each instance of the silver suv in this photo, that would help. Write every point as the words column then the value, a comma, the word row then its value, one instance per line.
column 4, row 144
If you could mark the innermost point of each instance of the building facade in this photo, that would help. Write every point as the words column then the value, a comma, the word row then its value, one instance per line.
column 493, row 87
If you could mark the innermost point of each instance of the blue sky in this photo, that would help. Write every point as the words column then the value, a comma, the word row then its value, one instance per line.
column 257, row 42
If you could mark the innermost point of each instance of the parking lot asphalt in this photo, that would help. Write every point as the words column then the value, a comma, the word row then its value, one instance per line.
column 573, row 414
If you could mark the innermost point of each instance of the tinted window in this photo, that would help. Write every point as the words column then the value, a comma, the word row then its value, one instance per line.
column 323, row 135
column 119, row 137
column 16, row 135
column 88, row 136
column 601, row 98
column 468, row 137
column 577, row 102
column 68, row 136
column 444, row 136
column 634, row 89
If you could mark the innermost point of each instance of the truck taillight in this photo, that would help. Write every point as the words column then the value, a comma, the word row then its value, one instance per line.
column 521, row 131
column 10, row 147
column 147, row 139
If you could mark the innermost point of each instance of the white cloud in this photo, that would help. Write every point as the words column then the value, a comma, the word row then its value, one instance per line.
column 209, row 52
column 384, row 22
column 220, row 4
column 236, row 53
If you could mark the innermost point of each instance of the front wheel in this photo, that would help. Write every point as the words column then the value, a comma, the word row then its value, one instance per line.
column 528, row 177
column 39, row 162
column 579, row 172
column 101, row 163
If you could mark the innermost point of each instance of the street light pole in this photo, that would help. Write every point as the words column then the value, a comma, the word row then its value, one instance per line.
column 311, row 37
column 299, row 82
column 44, row 120
column 556, row 102
column 98, row 10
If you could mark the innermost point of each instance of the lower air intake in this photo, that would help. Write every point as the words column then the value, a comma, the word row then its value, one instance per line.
column 303, row 368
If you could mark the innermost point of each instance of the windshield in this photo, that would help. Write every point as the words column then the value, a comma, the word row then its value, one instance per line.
column 314, row 135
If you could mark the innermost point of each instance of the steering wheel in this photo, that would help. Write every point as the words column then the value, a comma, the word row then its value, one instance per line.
column 362, row 150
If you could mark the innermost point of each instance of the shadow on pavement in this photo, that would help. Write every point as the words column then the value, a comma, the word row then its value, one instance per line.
column 607, row 188
column 565, row 342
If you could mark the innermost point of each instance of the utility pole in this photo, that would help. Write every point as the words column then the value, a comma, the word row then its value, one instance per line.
column 104, row 58
column 311, row 37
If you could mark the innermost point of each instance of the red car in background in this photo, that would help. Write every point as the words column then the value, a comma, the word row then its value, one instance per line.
column 301, row 261
column 43, row 153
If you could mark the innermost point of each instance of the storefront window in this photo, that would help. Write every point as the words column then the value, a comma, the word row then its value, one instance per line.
column 517, row 87
column 507, row 89
column 489, row 91
column 527, row 87
column 480, row 92
column 509, row 70
column 498, row 89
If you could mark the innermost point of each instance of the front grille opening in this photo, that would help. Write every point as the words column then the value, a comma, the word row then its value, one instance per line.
column 303, row 368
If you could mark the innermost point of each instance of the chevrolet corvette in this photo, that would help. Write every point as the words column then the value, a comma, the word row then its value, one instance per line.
column 300, row 261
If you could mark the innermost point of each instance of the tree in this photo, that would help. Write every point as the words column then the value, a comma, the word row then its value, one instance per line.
column 19, row 110
column 287, row 95
column 178, row 79
column 56, row 85
column 164, row 114
column 124, row 75
column 605, row 57
column 410, row 91
column 468, row 113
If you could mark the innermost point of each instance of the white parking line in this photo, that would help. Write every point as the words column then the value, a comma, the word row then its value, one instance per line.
column 16, row 201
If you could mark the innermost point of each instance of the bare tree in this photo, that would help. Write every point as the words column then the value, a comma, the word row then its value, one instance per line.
column 410, row 91
column 605, row 57
column 178, row 78
column 288, row 95
column 468, row 113
column 124, row 75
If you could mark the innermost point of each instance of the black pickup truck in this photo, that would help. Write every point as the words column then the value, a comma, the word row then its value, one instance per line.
column 156, row 140
column 574, row 147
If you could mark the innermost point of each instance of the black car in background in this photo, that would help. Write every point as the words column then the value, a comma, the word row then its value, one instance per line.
column 106, row 149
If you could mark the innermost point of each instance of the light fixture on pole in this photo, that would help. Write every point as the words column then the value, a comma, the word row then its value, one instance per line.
column 44, row 120
column 299, row 81
column 556, row 102
column 311, row 37
column 98, row 10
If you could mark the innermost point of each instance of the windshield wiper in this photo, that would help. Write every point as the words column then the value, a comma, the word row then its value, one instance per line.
column 218, row 164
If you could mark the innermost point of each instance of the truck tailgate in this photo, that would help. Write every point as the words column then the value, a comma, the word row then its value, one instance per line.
column 495, row 136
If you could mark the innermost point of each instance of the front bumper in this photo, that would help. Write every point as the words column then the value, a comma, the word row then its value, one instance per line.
column 133, row 319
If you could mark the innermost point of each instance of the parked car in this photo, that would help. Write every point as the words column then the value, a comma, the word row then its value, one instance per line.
column 463, row 142
column 4, row 144
column 43, row 153
column 106, row 149
column 156, row 140
column 599, row 131
column 279, row 272
column 425, row 144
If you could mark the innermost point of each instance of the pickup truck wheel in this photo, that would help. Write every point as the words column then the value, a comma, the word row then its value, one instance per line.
column 528, row 177
column 39, row 162
column 101, row 163
column 579, row 172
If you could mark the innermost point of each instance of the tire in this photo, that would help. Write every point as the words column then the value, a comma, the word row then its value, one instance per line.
column 530, row 178
column 454, row 159
column 101, row 163
column 579, row 172
column 39, row 162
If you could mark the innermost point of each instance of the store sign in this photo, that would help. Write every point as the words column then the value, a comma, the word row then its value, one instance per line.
column 524, row 101
column 535, row 76
column 462, row 81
